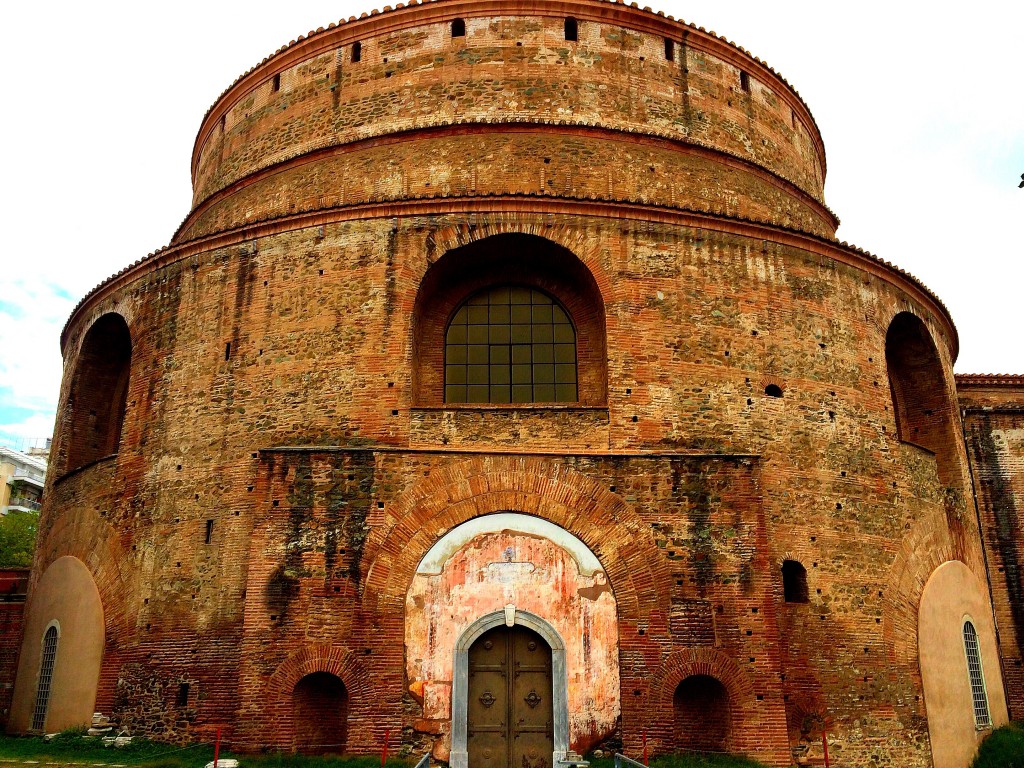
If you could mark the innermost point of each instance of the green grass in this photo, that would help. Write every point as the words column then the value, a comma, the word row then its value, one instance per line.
column 1003, row 749
column 687, row 760
column 69, row 747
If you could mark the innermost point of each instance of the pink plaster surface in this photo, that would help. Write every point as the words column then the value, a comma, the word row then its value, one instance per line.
column 536, row 575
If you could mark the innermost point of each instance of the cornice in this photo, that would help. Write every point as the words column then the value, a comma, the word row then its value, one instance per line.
column 529, row 203
column 563, row 128
column 417, row 13
column 989, row 380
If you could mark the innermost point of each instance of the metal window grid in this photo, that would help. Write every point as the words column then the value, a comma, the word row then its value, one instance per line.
column 982, row 718
column 45, row 678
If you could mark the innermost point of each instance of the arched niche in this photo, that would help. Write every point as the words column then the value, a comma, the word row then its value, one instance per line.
column 924, row 410
column 702, row 715
column 66, row 597
column 94, row 412
column 320, row 714
column 509, row 259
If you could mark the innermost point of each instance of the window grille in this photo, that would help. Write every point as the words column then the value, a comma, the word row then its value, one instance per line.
column 45, row 678
column 977, row 677
column 510, row 344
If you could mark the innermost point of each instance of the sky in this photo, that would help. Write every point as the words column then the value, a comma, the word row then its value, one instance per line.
column 921, row 107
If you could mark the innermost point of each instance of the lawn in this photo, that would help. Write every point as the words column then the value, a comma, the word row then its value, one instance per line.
column 69, row 747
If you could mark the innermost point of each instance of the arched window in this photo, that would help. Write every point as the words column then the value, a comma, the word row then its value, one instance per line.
column 459, row 28
column 571, row 29
column 357, row 51
column 320, row 714
column 982, row 719
column 46, row 664
column 794, row 582
column 510, row 344
column 702, row 715
column 99, row 392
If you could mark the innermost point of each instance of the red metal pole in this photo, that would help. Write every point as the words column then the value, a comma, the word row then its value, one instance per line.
column 216, row 748
column 383, row 752
column 645, row 748
column 824, row 743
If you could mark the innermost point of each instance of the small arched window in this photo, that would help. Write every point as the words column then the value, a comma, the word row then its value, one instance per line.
column 46, row 664
column 571, row 29
column 979, row 695
column 510, row 344
column 794, row 582
column 459, row 28
column 357, row 51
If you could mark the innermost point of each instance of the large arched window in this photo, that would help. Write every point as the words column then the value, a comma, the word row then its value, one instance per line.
column 46, row 664
column 924, row 411
column 510, row 344
column 982, row 718
column 510, row 318
column 99, row 392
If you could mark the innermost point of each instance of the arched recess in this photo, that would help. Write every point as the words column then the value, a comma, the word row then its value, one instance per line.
column 66, row 597
column 320, row 714
column 703, row 717
column 514, row 259
column 460, row 683
column 94, row 412
column 952, row 595
column 276, row 724
column 744, row 726
column 923, row 404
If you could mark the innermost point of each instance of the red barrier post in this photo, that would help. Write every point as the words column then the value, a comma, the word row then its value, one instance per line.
column 383, row 752
column 824, row 744
column 645, row 747
column 216, row 748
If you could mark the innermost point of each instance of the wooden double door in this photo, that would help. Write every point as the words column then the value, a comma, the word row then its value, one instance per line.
column 511, row 720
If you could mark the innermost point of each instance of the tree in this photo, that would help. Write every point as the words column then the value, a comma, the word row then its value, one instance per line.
column 18, row 539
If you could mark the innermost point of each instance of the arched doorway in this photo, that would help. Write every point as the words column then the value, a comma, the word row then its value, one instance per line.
column 510, row 721
column 702, row 717
column 320, row 714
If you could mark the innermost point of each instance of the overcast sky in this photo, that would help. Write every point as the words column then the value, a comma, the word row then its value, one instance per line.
column 921, row 107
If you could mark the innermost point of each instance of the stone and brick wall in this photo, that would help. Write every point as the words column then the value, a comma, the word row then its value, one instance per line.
column 993, row 408
column 13, row 585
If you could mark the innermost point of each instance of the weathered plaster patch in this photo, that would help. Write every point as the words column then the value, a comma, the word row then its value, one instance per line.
column 493, row 567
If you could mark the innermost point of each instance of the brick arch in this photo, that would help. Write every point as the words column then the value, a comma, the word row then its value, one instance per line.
column 468, row 488
column 497, row 254
column 575, row 239
column 82, row 534
column 321, row 657
column 927, row 546
column 686, row 662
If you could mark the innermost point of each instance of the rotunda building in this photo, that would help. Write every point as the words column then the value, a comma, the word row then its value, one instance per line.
column 506, row 395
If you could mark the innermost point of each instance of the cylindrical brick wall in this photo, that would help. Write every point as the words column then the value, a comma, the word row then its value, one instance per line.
column 284, row 385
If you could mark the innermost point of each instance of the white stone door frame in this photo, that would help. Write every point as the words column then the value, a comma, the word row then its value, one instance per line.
column 460, row 684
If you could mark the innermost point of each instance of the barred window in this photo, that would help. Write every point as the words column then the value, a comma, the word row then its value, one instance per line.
column 982, row 718
column 510, row 344
column 45, row 679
